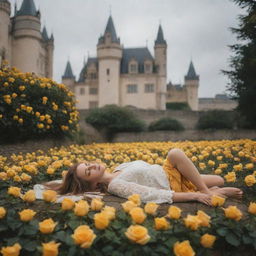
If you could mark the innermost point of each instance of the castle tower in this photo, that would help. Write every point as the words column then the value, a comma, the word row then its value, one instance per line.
column 68, row 78
column 27, row 39
column 192, row 84
column 5, row 11
column 109, row 53
column 161, row 62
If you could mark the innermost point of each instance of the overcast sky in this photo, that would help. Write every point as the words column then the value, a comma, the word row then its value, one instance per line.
column 197, row 29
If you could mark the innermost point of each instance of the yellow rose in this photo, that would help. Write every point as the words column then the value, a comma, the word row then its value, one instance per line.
column 205, row 219
column 251, row 208
column 3, row 176
column 192, row 221
column 11, row 250
column 137, row 234
column 128, row 205
column 101, row 220
column 47, row 226
column 50, row 170
column 151, row 208
column 183, row 249
column 138, row 215
column 49, row 195
column 135, row 198
column 110, row 212
column 17, row 178
column 232, row 212
column 218, row 171
column 174, row 212
column 161, row 223
column 83, row 236
column 249, row 166
column 96, row 204
column 81, row 208
column 29, row 196
column 207, row 240
column 230, row 177
column 27, row 215
column 217, row 200
column 25, row 177
column 250, row 180
column 50, row 249
column 2, row 212
column 14, row 191
column 67, row 204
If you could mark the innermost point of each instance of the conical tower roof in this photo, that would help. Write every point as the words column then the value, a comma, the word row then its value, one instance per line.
column 68, row 71
column 160, row 36
column 45, row 34
column 191, row 75
column 27, row 8
column 110, row 28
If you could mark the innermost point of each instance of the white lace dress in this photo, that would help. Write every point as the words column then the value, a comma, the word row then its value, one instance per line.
column 139, row 177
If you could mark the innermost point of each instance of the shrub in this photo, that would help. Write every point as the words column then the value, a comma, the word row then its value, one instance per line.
column 166, row 124
column 111, row 119
column 177, row 106
column 215, row 119
column 34, row 107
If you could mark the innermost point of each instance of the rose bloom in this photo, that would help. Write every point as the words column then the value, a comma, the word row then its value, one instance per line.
column 14, row 191
column 161, row 223
column 250, row 180
column 232, row 212
column 67, row 204
column 174, row 212
column 151, row 208
column 101, row 220
column 50, row 249
column 135, row 198
column 29, row 196
column 2, row 212
column 230, row 177
column 251, row 208
column 47, row 226
column 137, row 234
column 183, row 249
column 25, row 177
column 27, row 215
column 110, row 212
column 137, row 214
column 217, row 200
column 128, row 205
column 205, row 218
column 192, row 221
column 83, row 236
column 96, row 204
column 207, row 240
column 49, row 196
column 11, row 250
column 81, row 208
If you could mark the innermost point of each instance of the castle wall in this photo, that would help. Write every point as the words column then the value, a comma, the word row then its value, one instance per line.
column 176, row 95
column 4, row 28
column 208, row 104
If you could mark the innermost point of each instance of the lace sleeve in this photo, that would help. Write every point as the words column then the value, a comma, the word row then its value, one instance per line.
column 124, row 189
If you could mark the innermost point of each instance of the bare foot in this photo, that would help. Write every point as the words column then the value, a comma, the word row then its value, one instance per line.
column 233, row 192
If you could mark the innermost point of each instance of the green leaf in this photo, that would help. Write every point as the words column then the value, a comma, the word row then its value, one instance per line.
column 3, row 227
column 28, row 245
column 232, row 239
column 222, row 231
column 72, row 251
column 73, row 224
column 14, row 224
column 247, row 239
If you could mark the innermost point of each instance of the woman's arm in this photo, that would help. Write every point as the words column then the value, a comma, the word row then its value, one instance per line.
column 191, row 196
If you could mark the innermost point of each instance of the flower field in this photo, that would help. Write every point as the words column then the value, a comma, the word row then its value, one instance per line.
column 42, row 227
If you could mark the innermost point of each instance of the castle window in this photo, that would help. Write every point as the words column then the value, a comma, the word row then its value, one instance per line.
column 82, row 91
column 93, row 104
column 132, row 88
column 92, row 76
column 108, row 71
column 149, row 88
column 93, row 90
column 148, row 68
column 133, row 68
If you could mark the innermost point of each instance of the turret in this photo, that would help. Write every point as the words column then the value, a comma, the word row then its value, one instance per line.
column 192, row 84
column 68, row 78
column 5, row 11
column 161, row 62
column 109, row 53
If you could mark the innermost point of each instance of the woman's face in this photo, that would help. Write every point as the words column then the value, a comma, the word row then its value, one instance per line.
column 91, row 172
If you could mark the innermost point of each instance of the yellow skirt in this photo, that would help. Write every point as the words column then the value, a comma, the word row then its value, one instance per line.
column 177, row 181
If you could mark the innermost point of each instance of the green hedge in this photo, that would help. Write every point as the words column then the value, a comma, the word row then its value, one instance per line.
column 166, row 124
column 34, row 107
column 177, row 106
column 215, row 119
column 112, row 119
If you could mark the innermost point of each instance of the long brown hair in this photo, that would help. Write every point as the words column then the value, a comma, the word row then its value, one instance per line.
column 72, row 184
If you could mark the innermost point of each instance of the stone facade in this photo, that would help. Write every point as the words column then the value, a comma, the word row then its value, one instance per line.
column 22, row 41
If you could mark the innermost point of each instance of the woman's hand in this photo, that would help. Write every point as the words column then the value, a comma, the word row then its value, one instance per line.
column 204, row 198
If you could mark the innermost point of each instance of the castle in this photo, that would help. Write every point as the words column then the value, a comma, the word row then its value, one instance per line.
column 22, row 41
column 129, row 76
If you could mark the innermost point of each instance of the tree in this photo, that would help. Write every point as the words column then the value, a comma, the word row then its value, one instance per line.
column 242, row 75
